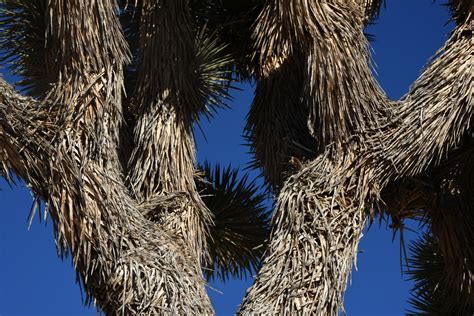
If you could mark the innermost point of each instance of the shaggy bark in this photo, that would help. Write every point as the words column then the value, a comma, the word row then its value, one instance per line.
column 167, row 98
column 276, row 125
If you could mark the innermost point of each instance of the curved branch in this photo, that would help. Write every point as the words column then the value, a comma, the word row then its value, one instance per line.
column 276, row 124
column 432, row 118
column 308, row 90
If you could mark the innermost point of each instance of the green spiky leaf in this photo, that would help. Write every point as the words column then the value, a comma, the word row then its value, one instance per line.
column 233, row 22
column 432, row 293
column 214, row 68
column 241, row 222
column 23, row 44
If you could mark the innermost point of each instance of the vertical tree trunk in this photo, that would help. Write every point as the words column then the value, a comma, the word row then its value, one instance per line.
column 321, row 210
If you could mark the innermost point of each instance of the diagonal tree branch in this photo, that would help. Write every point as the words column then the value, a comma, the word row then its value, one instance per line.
column 27, row 130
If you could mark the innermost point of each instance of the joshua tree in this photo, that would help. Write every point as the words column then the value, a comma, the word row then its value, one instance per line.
column 103, row 136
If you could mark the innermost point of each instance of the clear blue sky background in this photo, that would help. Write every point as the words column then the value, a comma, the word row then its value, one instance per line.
column 33, row 281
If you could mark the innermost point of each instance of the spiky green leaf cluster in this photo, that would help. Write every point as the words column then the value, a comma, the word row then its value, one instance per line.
column 23, row 44
column 233, row 21
column 241, row 222
column 432, row 293
column 214, row 67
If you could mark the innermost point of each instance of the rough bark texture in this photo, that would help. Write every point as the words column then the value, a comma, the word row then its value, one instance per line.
column 167, row 98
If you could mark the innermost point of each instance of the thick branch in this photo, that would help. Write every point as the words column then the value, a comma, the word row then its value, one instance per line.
column 276, row 125
column 432, row 118
column 167, row 98
column 27, row 130
column 317, row 226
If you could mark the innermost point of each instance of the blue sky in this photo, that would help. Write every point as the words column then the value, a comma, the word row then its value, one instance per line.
column 34, row 281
